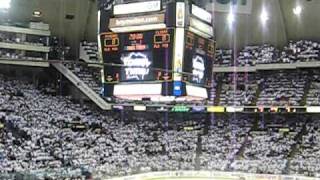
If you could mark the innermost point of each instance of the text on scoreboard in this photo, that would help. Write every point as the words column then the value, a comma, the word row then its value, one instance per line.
column 138, row 54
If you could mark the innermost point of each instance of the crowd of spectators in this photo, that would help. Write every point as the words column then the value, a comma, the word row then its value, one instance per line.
column 299, row 51
column 88, row 51
column 51, row 134
column 269, row 145
column 238, row 89
column 282, row 88
column 251, row 55
column 222, row 143
column 45, row 132
column 269, row 88
column 306, row 160
column 224, row 57
column 313, row 95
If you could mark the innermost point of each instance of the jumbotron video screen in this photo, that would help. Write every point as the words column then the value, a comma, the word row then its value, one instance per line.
column 135, row 55
column 198, row 60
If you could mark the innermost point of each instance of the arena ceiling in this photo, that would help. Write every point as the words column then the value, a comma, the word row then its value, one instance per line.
column 282, row 25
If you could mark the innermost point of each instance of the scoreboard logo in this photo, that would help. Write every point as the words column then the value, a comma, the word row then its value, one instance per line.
column 136, row 65
column 198, row 68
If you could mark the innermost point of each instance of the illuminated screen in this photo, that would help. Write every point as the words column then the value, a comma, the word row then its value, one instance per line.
column 137, row 54
column 137, row 66
column 137, row 7
column 198, row 60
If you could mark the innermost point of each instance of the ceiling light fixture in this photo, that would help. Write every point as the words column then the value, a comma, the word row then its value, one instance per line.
column 36, row 14
column 297, row 10
column 230, row 18
column 5, row 4
column 264, row 17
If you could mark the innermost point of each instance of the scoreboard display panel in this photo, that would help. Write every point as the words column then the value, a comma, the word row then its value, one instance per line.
column 136, row 54
column 198, row 59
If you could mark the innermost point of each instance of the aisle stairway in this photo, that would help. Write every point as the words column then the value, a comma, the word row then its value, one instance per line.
column 82, row 86
column 88, row 75
column 259, row 89
column 295, row 147
column 198, row 153
column 218, row 92
column 306, row 91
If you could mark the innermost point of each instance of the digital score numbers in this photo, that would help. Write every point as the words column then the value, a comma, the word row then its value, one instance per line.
column 201, row 44
column 111, row 42
column 161, row 39
column 136, row 42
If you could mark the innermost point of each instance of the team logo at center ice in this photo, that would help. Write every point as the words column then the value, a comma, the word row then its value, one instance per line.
column 137, row 66
column 198, row 69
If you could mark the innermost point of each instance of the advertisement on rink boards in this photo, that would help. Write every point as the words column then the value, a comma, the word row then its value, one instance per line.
column 136, row 54
column 266, row 177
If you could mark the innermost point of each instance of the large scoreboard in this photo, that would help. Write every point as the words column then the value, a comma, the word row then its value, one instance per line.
column 156, row 48
column 138, row 57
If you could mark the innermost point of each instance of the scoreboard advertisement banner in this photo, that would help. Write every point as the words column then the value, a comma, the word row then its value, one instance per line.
column 136, row 54
column 198, row 59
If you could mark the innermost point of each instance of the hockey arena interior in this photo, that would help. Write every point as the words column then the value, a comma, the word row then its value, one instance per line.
column 159, row 89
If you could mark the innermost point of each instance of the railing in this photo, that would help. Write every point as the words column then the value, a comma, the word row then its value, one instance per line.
column 261, row 67
column 65, row 173
column 82, row 86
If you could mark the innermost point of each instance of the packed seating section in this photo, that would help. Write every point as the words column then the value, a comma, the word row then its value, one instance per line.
column 238, row 89
column 88, row 51
column 298, row 51
column 313, row 96
column 282, row 88
column 265, row 88
column 269, row 88
column 43, row 132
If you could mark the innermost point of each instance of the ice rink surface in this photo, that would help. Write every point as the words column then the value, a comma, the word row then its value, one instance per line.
column 188, row 178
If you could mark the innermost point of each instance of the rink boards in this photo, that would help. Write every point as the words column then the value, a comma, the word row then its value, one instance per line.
column 209, row 175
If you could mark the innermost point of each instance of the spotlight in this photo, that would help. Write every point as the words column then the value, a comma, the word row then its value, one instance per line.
column 230, row 18
column 36, row 14
column 5, row 4
column 297, row 10
column 264, row 17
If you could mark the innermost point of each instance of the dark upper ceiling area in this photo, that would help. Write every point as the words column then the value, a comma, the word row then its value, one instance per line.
column 282, row 25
